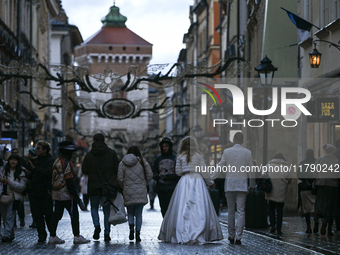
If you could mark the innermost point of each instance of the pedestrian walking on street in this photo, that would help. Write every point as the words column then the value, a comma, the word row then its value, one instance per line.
column 3, row 150
column 337, row 214
column 306, row 177
column 152, row 193
column 32, row 155
column 19, row 206
column 164, row 174
column 134, row 174
column 277, row 197
column 40, row 178
column 101, row 166
column 236, row 185
column 13, row 181
column 191, row 217
column 83, row 189
column 64, row 194
column 327, row 191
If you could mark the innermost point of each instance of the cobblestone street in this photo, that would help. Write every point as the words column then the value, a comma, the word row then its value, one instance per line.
column 25, row 241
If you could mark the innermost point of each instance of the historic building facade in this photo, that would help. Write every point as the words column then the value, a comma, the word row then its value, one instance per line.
column 110, row 54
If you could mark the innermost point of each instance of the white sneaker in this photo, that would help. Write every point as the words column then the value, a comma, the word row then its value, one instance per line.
column 80, row 240
column 55, row 240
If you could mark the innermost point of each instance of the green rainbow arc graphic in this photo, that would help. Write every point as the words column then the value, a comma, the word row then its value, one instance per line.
column 208, row 92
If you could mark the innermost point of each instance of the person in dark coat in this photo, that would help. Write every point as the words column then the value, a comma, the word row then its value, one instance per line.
column 32, row 155
column 327, row 190
column 306, row 177
column 40, row 178
column 164, row 173
column 337, row 216
column 101, row 166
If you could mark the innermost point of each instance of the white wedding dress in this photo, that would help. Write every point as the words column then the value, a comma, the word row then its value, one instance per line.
column 191, row 217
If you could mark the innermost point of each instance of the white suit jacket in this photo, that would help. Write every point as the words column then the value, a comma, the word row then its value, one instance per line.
column 237, row 157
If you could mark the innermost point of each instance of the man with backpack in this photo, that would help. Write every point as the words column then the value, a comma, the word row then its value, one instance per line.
column 64, row 194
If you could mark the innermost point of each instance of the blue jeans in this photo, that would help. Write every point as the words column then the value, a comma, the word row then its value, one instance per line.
column 135, row 211
column 95, row 201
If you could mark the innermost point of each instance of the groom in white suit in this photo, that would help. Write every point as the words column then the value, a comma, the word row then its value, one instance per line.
column 236, row 185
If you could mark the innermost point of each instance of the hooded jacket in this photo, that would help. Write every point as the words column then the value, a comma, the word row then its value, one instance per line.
column 103, row 159
column 133, row 180
column 164, row 171
column 280, row 181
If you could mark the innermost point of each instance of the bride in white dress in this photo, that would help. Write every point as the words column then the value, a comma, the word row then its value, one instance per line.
column 191, row 217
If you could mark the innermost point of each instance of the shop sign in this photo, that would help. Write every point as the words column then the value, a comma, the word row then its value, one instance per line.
column 323, row 110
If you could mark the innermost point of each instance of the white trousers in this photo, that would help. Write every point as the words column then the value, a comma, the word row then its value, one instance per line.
column 238, row 198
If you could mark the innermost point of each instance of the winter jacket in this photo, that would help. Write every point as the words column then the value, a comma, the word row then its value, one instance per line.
column 103, row 159
column 63, row 180
column 327, row 178
column 280, row 181
column 41, row 176
column 164, row 172
column 133, row 180
column 17, row 186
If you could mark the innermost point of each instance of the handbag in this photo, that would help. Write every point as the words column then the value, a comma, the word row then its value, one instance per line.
column 6, row 199
column 117, row 211
column 264, row 184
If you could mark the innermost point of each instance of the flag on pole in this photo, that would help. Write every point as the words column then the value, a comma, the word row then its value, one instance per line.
column 303, row 26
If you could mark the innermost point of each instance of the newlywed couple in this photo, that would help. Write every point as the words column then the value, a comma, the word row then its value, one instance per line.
column 191, row 217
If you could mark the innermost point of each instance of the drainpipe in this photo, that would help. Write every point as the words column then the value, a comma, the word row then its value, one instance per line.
column 220, row 27
column 31, row 47
column 228, row 28
column 19, row 106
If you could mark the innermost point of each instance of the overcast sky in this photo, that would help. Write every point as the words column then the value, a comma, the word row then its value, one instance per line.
column 160, row 22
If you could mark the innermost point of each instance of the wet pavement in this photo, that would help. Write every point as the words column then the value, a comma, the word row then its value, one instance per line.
column 253, row 242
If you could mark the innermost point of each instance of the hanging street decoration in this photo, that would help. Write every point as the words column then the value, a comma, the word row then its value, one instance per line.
column 137, row 78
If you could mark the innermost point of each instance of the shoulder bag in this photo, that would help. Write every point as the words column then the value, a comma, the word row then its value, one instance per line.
column 264, row 184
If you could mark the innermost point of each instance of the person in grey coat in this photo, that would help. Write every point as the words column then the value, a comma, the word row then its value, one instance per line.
column 277, row 197
column 134, row 174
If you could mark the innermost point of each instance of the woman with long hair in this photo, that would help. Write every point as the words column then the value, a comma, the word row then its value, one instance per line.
column 191, row 217
column 13, row 182
column 134, row 174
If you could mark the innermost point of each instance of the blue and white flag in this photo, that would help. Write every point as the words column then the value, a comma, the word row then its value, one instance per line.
column 303, row 26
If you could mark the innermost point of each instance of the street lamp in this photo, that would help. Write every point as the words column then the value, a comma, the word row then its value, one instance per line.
column 266, row 72
column 216, row 112
column 315, row 57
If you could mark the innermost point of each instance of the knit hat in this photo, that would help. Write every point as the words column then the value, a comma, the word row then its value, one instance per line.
column 329, row 148
column 67, row 146
column 33, row 152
